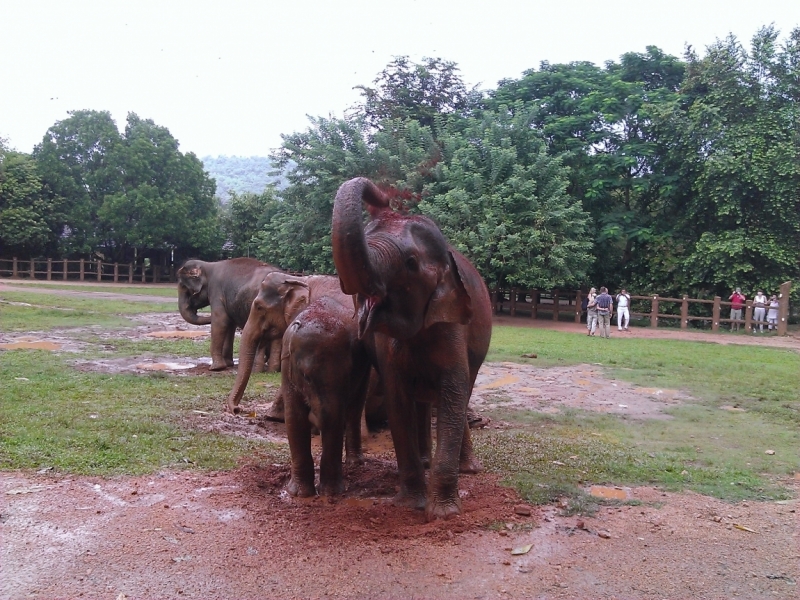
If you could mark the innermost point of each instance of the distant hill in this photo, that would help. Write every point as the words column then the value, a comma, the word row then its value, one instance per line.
column 241, row 174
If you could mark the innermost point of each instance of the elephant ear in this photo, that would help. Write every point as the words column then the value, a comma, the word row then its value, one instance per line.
column 450, row 302
column 295, row 293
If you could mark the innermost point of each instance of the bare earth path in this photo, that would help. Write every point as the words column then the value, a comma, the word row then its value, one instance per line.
column 237, row 535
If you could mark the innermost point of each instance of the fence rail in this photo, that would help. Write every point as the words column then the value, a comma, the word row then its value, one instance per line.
column 84, row 270
column 521, row 302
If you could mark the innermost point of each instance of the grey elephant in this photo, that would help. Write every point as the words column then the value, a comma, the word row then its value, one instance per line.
column 279, row 299
column 324, row 374
column 425, row 314
column 228, row 287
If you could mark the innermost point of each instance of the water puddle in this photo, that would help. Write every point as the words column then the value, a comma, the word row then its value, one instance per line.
column 165, row 366
column 507, row 380
column 610, row 493
column 30, row 345
column 179, row 334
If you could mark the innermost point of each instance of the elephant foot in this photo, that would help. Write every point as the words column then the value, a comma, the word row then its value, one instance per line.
column 354, row 459
column 470, row 464
column 443, row 509
column 331, row 489
column 219, row 366
column 408, row 499
column 276, row 411
column 300, row 490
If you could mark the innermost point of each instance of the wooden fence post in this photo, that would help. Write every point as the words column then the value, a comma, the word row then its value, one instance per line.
column 534, row 303
column 14, row 268
column 715, row 312
column 783, row 307
column 578, row 305
column 513, row 302
column 116, row 272
column 654, row 312
column 130, row 272
column 99, row 270
column 49, row 269
column 144, row 273
column 66, row 267
column 33, row 269
column 83, row 269
column 685, row 313
column 555, row 305
column 156, row 273
column 748, row 316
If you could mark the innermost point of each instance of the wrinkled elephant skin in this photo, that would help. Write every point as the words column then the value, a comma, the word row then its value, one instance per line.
column 228, row 287
column 424, row 313
column 324, row 374
column 279, row 299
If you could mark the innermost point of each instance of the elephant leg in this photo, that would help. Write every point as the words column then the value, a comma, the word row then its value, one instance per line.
column 277, row 411
column 274, row 358
column 298, row 431
column 403, row 423
column 424, row 430
column 222, row 332
column 468, row 462
column 259, row 363
column 355, row 417
column 331, row 482
column 443, row 500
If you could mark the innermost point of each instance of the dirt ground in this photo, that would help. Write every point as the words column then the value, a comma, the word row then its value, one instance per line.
column 237, row 534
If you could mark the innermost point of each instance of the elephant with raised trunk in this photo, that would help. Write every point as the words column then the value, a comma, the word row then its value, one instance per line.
column 279, row 298
column 424, row 313
column 229, row 287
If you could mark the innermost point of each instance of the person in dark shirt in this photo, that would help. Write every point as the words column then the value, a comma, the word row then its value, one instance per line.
column 605, row 306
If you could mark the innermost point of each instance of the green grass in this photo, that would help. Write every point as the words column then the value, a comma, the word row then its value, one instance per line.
column 702, row 447
column 89, row 423
column 48, row 311
column 127, row 289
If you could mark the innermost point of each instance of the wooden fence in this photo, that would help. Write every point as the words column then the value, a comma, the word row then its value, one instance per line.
column 84, row 270
column 686, row 310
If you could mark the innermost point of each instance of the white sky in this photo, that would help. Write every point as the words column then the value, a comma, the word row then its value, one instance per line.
column 228, row 77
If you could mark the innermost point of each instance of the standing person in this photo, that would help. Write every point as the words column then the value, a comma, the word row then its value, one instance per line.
column 759, row 311
column 591, row 311
column 772, row 315
column 605, row 305
column 623, row 313
column 737, row 302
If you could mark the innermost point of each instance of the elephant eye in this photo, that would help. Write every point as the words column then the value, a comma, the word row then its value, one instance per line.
column 412, row 264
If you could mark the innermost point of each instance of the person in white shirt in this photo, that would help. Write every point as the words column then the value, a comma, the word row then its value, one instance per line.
column 623, row 312
column 772, row 315
column 759, row 311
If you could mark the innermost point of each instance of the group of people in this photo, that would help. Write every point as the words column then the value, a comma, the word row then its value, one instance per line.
column 764, row 310
column 600, row 307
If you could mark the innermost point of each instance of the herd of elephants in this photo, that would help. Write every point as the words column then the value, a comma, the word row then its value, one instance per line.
column 407, row 314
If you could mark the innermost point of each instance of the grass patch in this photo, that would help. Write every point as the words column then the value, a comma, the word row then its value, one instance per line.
column 760, row 379
column 89, row 423
column 127, row 289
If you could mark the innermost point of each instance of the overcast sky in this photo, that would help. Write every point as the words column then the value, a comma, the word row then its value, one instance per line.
column 229, row 77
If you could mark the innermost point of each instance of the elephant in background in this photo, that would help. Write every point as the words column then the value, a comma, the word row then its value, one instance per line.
column 324, row 374
column 229, row 287
column 424, row 313
column 279, row 298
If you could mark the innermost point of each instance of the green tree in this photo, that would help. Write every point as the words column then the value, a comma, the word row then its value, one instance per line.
column 30, row 217
column 732, row 140
column 74, row 162
column 244, row 216
column 502, row 201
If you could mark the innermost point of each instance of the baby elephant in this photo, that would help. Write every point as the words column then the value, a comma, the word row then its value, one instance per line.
column 324, row 375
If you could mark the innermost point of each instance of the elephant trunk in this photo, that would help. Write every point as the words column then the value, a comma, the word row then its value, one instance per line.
column 248, row 347
column 189, row 312
column 350, row 252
